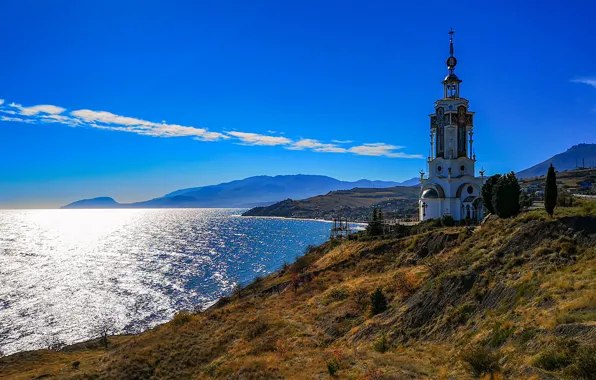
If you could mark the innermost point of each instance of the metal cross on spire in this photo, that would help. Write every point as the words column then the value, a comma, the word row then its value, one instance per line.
column 451, row 33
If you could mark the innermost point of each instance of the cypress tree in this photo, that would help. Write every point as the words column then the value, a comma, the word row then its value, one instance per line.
column 487, row 192
column 550, row 191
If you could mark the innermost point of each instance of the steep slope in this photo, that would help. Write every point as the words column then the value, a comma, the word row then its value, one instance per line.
column 577, row 155
column 515, row 298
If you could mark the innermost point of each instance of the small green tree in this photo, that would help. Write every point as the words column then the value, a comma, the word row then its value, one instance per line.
column 375, row 226
column 550, row 191
column 487, row 192
column 525, row 200
column 378, row 302
column 506, row 196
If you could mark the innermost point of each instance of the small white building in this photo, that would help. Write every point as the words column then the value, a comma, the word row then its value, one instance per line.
column 451, row 187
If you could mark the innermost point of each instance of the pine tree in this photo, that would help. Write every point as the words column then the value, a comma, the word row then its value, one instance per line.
column 505, row 199
column 487, row 192
column 374, row 226
column 550, row 191
column 378, row 302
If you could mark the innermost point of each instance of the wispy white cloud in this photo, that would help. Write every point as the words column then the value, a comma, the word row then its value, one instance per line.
column 16, row 119
column 43, row 108
column 381, row 149
column 248, row 138
column 588, row 81
column 108, row 120
column 45, row 114
column 316, row 146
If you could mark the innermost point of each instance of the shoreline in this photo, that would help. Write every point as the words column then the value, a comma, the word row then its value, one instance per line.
column 363, row 224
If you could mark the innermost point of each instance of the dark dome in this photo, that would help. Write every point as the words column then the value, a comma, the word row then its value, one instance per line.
column 452, row 78
column 429, row 193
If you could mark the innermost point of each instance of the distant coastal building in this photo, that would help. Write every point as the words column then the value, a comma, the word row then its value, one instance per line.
column 451, row 187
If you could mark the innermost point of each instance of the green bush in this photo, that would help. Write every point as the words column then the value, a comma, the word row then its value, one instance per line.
column 584, row 364
column 480, row 361
column 381, row 345
column 333, row 366
column 447, row 221
column 505, row 199
column 499, row 335
column 338, row 294
column 378, row 302
column 487, row 192
column 558, row 356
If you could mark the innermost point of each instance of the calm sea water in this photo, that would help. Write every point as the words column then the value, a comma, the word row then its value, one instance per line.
column 63, row 272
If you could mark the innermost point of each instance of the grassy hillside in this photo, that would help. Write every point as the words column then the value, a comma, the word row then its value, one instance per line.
column 513, row 297
column 355, row 204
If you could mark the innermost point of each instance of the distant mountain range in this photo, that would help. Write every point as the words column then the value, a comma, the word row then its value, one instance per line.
column 576, row 156
column 248, row 192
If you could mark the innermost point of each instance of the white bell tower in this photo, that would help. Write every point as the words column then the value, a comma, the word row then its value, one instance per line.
column 451, row 187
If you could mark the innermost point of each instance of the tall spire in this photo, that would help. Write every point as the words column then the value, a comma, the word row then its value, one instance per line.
column 451, row 81
column 451, row 61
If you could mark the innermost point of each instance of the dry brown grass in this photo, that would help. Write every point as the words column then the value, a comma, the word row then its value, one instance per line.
column 320, row 313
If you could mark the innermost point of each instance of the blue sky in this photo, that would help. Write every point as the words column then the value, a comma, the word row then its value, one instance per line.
column 135, row 99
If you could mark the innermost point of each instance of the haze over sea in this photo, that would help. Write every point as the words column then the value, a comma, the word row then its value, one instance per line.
column 64, row 271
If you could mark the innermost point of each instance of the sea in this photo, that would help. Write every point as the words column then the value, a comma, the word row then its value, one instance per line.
column 65, row 273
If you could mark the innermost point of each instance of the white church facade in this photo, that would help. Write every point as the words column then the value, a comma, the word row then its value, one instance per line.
column 451, row 187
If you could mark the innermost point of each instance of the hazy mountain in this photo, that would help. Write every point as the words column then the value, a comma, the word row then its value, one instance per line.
column 100, row 202
column 577, row 155
column 248, row 192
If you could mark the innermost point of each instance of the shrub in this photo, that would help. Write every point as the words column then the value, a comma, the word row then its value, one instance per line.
column 360, row 299
column 480, row 361
column 381, row 345
column 506, row 196
column 525, row 201
column 338, row 294
column 181, row 318
column 584, row 364
column 378, row 302
column 447, row 221
column 53, row 343
column 434, row 265
column 487, row 192
column 403, row 284
column 558, row 356
column 257, row 328
column 499, row 335
column 104, row 327
column 333, row 366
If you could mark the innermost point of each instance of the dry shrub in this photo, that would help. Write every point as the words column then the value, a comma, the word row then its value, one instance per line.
column 360, row 299
column 382, row 344
column 181, row 318
column 338, row 294
column 256, row 328
column 434, row 265
column 584, row 364
column 480, row 361
column 404, row 283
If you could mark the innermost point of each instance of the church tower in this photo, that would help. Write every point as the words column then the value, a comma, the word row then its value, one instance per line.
column 451, row 187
